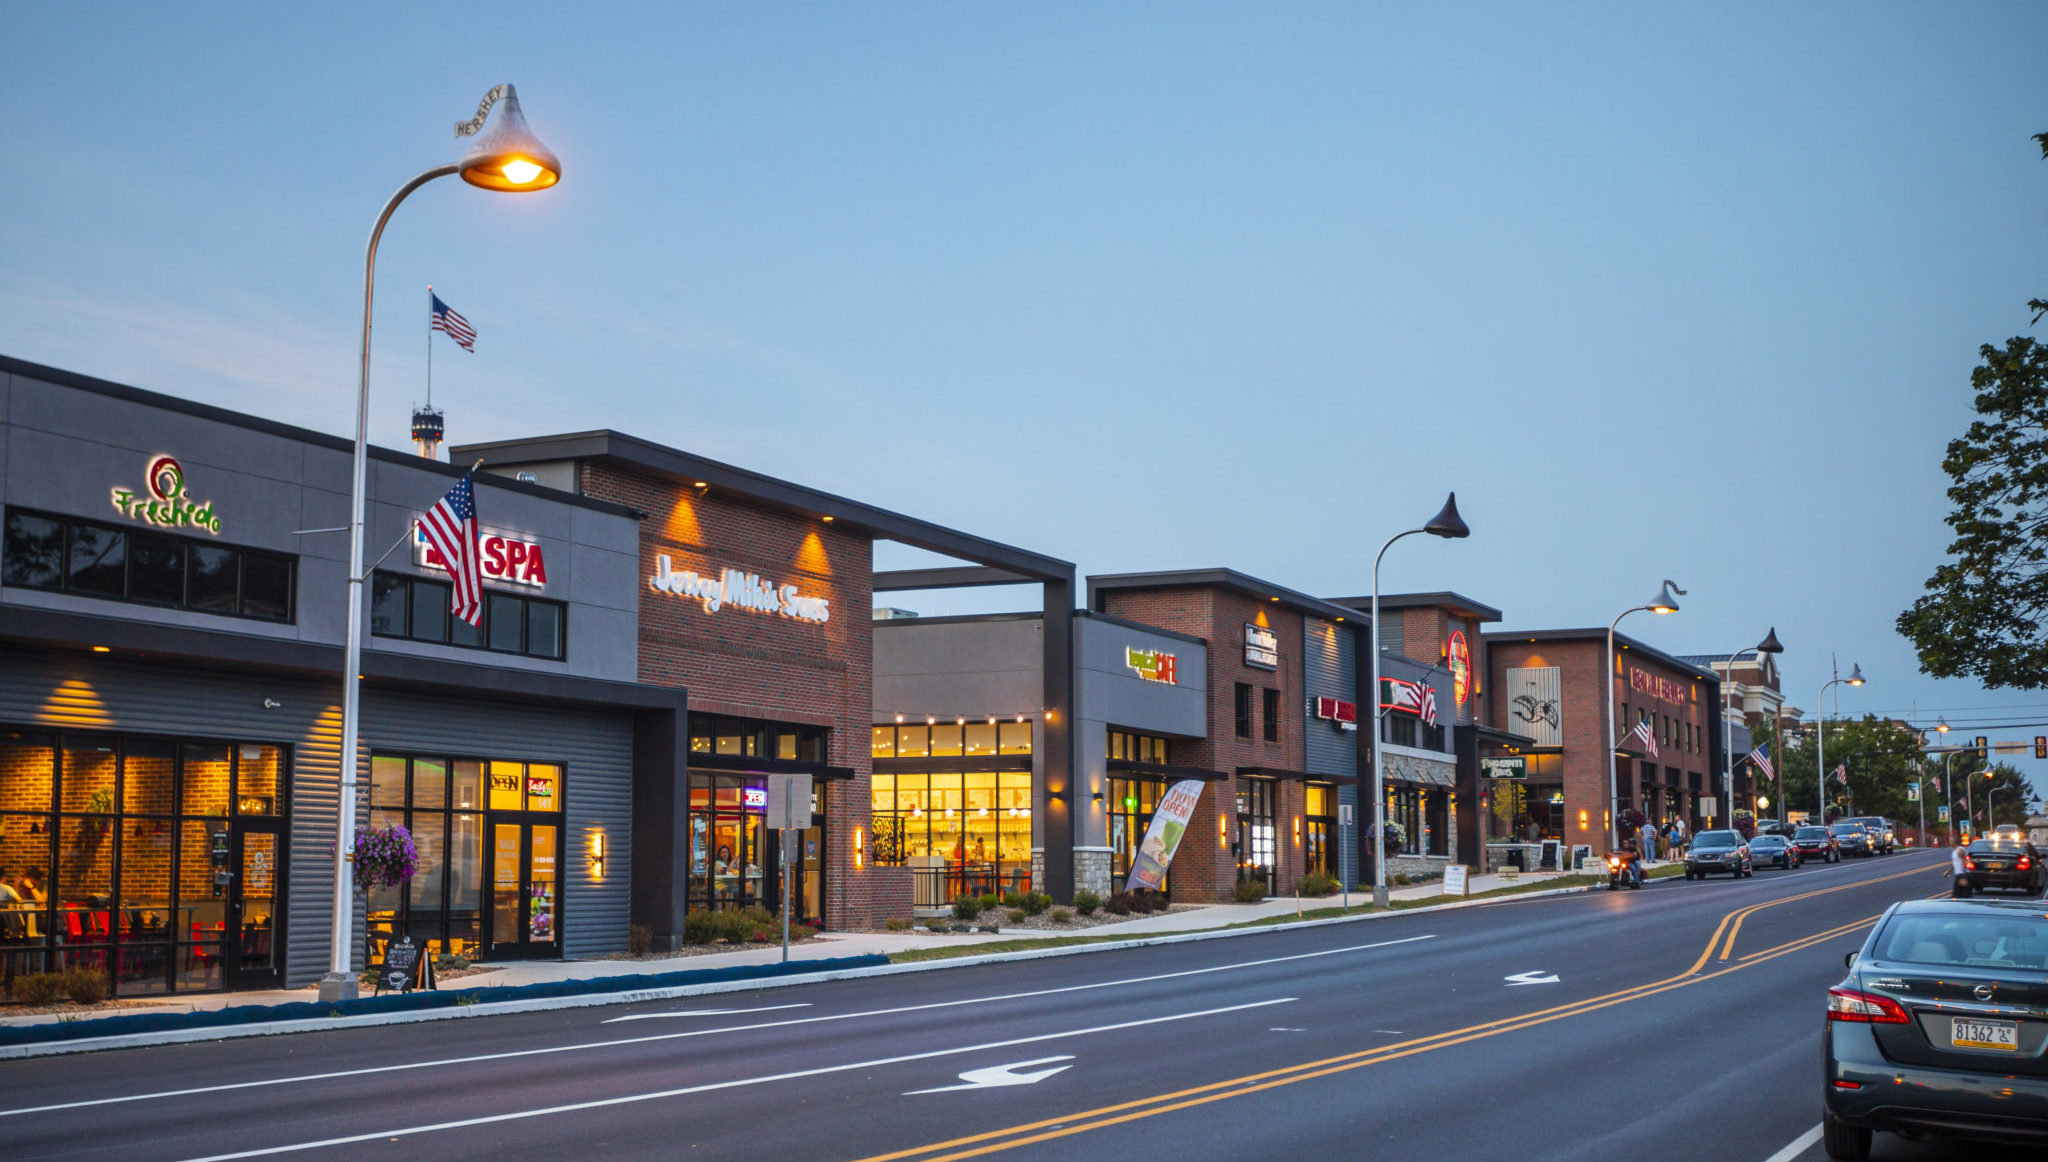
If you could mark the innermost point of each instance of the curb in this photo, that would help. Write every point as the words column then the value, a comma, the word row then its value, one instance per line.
column 458, row 1011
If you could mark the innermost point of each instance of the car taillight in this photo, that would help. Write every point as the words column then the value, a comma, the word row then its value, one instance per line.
column 1863, row 1008
column 2025, row 863
column 1969, row 864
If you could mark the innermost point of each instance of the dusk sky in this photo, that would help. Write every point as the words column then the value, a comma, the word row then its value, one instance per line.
column 1660, row 292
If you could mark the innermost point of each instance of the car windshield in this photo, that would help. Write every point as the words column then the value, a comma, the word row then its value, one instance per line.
column 1812, row 833
column 1847, row 829
column 1716, row 839
column 1987, row 941
column 1767, row 841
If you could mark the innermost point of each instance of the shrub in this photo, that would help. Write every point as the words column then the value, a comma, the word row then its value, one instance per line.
column 1150, row 900
column 967, row 907
column 896, row 924
column 705, row 926
column 40, row 988
column 87, row 986
column 1318, row 884
column 1017, row 915
column 1119, row 904
column 991, row 929
column 449, row 962
column 1086, row 903
column 1249, row 891
column 1035, row 902
column 1061, row 916
column 639, row 940
column 938, row 926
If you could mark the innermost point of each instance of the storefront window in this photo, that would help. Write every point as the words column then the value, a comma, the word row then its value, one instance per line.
column 754, row 737
column 951, row 740
column 733, row 855
column 46, row 551
column 442, row 802
column 1256, row 848
column 1319, row 828
column 1132, row 802
column 417, row 608
column 971, row 830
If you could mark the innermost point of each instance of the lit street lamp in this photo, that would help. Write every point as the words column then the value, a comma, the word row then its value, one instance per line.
column 1666, row 601
column 1767, row 646
column 1449, row 525
column 507, row 158
column 1820, row 792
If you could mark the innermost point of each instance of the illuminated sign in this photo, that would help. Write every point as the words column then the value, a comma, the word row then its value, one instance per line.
column 500, row 558
column 1512, row 766
column 1417, row 698
column 1261, row 647
column 1336, row 710
column 743, row 590
column 1662, row 689
column 540, row 788
column 754, row 798
column 166, row 506
column 1458, row 659
column 1153, row 665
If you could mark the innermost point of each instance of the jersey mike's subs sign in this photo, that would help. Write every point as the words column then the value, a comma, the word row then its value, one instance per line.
column 501, row 557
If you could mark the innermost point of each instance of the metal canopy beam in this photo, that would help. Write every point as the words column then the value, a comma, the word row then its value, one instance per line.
column 955, row 577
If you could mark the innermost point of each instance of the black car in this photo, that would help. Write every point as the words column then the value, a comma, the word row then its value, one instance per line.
column 1851, row 838
column 1817, row 843
column 1717, row 851
column 1773, row 851
column 2001, row 864
column 1879, row 829
column 1939, row 1027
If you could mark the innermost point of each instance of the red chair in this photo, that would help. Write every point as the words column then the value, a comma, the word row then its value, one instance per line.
column 200, row 951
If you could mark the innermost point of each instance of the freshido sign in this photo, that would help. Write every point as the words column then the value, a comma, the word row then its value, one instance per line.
column 743, row 590
column 166, row 505
column 1662, row 689
column 1153, row 665
column 504, row 558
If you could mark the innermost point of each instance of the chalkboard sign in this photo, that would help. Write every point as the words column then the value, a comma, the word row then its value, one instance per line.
column 401, row 965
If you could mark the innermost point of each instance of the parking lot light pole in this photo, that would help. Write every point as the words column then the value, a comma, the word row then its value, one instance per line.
column 507, row 158
column 1820, row 792
column 1666, row 601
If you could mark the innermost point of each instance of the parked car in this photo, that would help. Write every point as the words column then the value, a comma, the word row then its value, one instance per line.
column 1717, row 851
column 1851, row 838
column 1939, row 1027
column 1817, row 843
column 1773, row 851
column 2001, row 864
column 1879, row 829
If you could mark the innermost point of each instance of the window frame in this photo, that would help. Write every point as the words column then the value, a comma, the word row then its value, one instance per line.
column 411, row 583
column 1270, row 728
column 243, row 554
column 1244, row 709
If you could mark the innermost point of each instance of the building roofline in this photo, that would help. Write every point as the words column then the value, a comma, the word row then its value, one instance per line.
column 1221, row 579
column 633, row 453
column 1455, row 602
column 215, row 414
column 1620, row 639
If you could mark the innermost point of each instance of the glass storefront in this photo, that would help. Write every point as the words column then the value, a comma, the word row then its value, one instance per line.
column 158, row 861
column 1319, row 829
column 735, row 860
column 1257, row 853
column 962, row 832
column 1133, row 798
column 1423, row 812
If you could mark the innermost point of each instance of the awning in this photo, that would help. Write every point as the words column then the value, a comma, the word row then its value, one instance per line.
column 1163, row 771
column 1495, row 736
column 755, row 765
column 1297, row 776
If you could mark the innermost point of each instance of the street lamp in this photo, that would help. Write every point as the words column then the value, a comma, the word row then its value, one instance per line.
column 1820, row 792
column 1450, row 526
column 1767, row 646
column 1666, row 601
column 508, row 159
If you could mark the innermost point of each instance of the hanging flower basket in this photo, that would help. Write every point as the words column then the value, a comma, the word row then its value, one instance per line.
column 385, row 857
column 1395, row 839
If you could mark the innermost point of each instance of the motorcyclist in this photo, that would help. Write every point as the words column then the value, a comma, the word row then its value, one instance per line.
column 1632, row 861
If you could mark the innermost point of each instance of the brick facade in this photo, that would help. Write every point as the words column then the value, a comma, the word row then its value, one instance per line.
column 756, row 664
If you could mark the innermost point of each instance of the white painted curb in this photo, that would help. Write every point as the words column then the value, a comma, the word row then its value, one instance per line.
column 634, row 996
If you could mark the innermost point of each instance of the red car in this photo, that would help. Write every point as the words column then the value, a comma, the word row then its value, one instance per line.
column 1817, row 843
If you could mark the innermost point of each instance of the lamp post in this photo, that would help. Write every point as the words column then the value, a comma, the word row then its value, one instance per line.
column 1820, row 749
column 509, row 159
column 1767, row 646
column 1449, row 525
column 1666, row 601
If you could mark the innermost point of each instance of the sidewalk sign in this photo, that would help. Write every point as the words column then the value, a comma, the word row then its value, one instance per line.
column 1454, row 880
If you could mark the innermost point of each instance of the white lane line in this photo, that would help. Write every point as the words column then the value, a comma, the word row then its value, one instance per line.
column 703, row 1013
column 652, row 1037
column 1796, row 1146
column 737, row 1083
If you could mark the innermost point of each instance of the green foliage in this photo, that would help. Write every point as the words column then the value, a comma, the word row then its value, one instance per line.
column 449, row 962
column 1018, row 915
column 966, row 907
column 1249, row 891
column 85, row 986
column 1034, row 902
column 747, row 925
column 1060, row 916
column 941, row 926
column 1883, row 758
column 39, row 988
column 897, row 924
column 1086, row 902
column 1318, row 884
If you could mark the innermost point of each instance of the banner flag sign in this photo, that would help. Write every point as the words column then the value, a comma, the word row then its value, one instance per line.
column 1169, row 822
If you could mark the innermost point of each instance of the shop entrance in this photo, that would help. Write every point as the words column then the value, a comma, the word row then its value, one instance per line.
column 524, row 919
column 254, row 956
column 1255, row 840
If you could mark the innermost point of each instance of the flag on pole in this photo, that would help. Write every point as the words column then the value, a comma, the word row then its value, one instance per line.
column 451, row 528
column 1646, row 735
column 1936, row 780
column 1842, row 774
column 1428, row 703
column 1763, row 762
column 447, row 321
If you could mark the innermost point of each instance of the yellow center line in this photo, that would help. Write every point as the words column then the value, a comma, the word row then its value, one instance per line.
column 1106, row 1116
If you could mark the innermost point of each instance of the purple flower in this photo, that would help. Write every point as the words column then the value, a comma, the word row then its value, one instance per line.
column 385, row 857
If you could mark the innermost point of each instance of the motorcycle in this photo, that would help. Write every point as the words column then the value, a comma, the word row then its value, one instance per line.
column 1624, row 868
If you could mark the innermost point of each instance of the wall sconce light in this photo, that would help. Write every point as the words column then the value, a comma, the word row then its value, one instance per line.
column 1583, row 824
column 1057, row 796
column 859, row 849
column 1222, row 831
column 931, row 720
column 1297, row 831
column 899, row 718
column 1096, row 797
column 597, row 855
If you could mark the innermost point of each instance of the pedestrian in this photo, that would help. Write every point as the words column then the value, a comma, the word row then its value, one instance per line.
column 1959, row 883
column 1649, row 841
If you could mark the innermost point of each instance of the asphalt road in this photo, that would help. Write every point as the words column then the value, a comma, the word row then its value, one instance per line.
column 1677, row 1022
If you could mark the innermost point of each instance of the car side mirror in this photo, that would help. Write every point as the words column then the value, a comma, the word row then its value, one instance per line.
column 1849, row 960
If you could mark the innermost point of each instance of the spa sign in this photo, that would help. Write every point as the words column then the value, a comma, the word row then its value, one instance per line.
column 743, row 590
column 166, row 504
column 499, row 558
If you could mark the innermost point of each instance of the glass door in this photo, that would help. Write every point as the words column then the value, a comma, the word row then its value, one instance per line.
column 525, row 888
column 252, row 944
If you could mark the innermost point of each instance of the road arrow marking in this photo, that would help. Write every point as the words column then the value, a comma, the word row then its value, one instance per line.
column 1000, row 1075
column 1536, row 977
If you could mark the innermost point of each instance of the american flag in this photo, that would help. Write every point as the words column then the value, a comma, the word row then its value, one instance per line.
column 1936, row 780
column 451, row 528
column 1842, row 774
column 1647, row 735
column 1763, row 761
column 448, row 321
column 1428, row 703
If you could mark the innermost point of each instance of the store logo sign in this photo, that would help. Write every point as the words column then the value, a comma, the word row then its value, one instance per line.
column 1261, row 647
column 500, row 558
column 1662, row 689
column 741, row 590
column 754, row 798
column 1153, row 665
column 166, row 505
column 1336, row 710
column 1458, row 659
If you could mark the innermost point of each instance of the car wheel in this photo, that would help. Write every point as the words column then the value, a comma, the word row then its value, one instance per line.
column 1844, row 1143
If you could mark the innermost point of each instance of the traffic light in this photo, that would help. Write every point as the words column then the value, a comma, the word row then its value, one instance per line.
column 1983, row 747
column 2041, row 746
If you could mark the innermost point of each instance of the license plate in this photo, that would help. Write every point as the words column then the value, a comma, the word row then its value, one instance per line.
column 1975, row 1033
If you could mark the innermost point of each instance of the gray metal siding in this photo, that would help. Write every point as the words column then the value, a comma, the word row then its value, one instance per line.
column 1329, row 670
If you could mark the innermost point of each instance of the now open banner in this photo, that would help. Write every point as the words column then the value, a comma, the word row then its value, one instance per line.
column 1162, row 839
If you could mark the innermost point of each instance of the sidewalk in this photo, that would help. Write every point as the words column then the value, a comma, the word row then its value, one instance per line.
column 829, row 945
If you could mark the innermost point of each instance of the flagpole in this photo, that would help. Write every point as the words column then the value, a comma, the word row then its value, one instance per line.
column 430, row 345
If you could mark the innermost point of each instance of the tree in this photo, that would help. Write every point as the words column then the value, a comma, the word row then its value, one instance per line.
column 1883, row 757
column 1983, row 614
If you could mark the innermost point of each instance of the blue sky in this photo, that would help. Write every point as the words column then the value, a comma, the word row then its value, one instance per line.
column 1660, row 291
